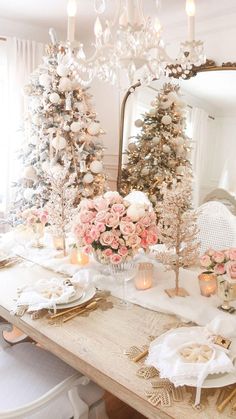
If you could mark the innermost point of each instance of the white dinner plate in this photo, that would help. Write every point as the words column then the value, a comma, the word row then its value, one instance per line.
column 212, row 380
column 88, row 295
column 79, row 293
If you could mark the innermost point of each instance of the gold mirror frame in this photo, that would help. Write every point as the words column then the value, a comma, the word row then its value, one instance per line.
column 209, row 65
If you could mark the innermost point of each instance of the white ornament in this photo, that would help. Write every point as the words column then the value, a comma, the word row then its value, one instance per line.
column 44, row 80
column 88, row 178
column 166, row 148
column 145, row 171
column 180, row 170
column 62, row 70
column 30, row 173
column 56, row 169
column 166, row 120
column 180, row 140
column 138, row 123
column 36, row 120
column 80, row 106
column 96, row 166
column 28, row 194
column 75, row 126
column 45, row 166
column 171, row 163
column 59, row 143
column 54, row 97
column 132, row 147
column 64, row 84
column 172, row 96
column 180, row 151
column 136, row 211
column 33, row 140
column 152, row 112
column 156, row 140
column 153, row 103
column 166, row 104
column 94, row 128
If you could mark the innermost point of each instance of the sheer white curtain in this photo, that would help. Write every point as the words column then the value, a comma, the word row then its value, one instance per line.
column 199, row 137
column 23, row 56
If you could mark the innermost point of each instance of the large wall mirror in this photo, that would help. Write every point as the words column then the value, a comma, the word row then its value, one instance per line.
column 210, row 96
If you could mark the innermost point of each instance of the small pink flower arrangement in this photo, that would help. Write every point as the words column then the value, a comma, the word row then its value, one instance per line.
column 115, row 229
column 220, row 262
column 32, row 216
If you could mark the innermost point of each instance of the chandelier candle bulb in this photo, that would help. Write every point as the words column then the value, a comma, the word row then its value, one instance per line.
column 207, row 283
column 71, row 13
column 190, row 10
column 144, row 277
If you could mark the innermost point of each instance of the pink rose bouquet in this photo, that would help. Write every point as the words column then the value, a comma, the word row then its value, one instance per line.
column 32, row 216
column 113, row 228
column 220, row 262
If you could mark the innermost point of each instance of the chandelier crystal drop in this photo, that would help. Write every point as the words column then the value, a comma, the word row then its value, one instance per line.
column 131, row 45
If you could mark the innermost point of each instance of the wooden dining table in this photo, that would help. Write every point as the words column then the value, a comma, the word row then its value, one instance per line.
column 96, row 344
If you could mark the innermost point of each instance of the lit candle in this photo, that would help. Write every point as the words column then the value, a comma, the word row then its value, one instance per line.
column 144, row 277
column 71, row 13
column 190, row 10
column 58, row 242
column 207, row 283
column 77, row 257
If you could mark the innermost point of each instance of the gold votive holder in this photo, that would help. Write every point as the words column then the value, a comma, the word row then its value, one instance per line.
column 78, row 257
column 207, row 283
column 144, row 277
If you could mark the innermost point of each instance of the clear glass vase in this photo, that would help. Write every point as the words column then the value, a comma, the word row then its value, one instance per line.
column 124, row 272
column 38, row 232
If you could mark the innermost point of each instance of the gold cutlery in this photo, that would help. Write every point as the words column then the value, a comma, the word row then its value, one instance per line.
column 74, row 309
column 224, row 403
column 92, row 306
column 140, row 356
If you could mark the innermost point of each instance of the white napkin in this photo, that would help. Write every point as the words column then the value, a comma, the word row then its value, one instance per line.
column 164, row 354
column 35, row 298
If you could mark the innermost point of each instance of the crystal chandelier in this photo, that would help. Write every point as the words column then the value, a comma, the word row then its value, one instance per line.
column 131, row 44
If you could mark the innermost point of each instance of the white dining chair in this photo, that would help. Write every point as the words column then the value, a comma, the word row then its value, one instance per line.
column 217, row 227
column 35, row 384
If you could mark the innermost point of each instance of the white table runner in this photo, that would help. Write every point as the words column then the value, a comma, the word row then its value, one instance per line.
column 195, row 307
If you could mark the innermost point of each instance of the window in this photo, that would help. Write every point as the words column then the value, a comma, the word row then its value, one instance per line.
column 3, row 124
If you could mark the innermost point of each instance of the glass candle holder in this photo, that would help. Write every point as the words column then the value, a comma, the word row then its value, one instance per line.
column 58, row 242
column 207, row 283
column 78, row 257
column 144, row 277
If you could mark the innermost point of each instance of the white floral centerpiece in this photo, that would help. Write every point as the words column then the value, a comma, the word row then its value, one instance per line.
column 115, row 229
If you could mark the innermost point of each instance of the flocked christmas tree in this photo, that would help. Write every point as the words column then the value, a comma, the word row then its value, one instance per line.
column 160, row 152
column 61, row 130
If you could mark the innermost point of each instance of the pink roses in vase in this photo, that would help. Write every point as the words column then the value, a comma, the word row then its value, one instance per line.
column 115, row 229
column 220, row 262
